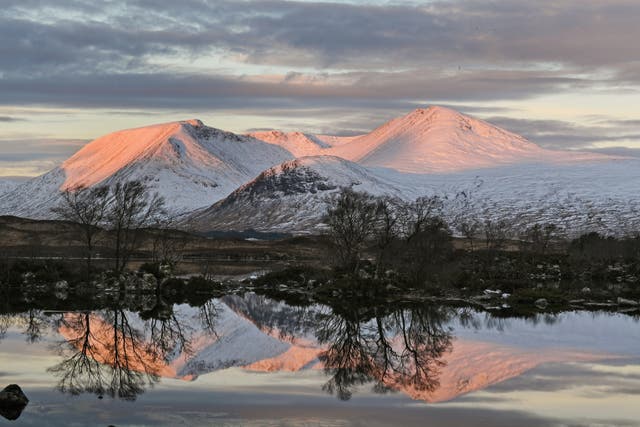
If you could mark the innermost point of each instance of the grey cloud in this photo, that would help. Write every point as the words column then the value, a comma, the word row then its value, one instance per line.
column 562, row 134
column 29, row 157
column 9, row 119
column 382, row 59
column 15, row 150
column 618, row 151
column 83, row 54
column 588, row 34
column 348, row 121
column 625, row 123
column 165, row 90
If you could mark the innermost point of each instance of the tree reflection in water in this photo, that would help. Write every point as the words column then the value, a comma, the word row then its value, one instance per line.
column 105, row 355
column 396, row 349
column 119, row 350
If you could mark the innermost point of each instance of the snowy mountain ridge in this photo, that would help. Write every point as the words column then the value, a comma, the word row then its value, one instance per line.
column 431, row 140
column 281, row 181
column 188, row 163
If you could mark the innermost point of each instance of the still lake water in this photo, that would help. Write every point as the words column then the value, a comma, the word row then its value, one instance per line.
column 251, row 360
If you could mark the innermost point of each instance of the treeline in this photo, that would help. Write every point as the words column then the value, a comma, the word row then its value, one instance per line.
column 416, row 238
column 408, row 235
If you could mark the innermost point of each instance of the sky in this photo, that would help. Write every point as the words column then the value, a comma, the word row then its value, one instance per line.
column 563, row 73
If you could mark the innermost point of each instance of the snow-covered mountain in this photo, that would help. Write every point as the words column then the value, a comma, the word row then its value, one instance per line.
column 188, row 163
column 580, row 197
column 291, row 196
column 435, row 151
column 435, row 139
column 230, row 181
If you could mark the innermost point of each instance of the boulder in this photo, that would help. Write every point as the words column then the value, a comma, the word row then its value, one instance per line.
column 149, row 280
column 628, row 302
column 62, row 285
column 12, row 402
column 541, row 303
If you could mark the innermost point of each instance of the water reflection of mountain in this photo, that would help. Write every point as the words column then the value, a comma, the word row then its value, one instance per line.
column 407, row 347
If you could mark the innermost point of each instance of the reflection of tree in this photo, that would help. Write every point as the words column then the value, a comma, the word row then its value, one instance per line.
column 105, row 353
column 168, row 335
column 397, row 350
column 424, row 340
column 105, row 356
column 34, row 324
column 131, row 361
column 348, row 359
column 5, row 323
column 80, row 371
column 208, row 314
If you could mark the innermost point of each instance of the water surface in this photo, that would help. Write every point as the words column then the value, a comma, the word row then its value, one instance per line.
column 251, row 360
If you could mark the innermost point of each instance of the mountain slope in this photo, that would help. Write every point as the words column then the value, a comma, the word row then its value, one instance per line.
column 579, row 198
column 302, row 144
column 9, row 184
column 188, row 163
column 438, row 139
column 291, row 196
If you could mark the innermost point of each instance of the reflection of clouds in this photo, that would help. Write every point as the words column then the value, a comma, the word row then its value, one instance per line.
column 556, row 376
column 596, row 393
column 595, row 332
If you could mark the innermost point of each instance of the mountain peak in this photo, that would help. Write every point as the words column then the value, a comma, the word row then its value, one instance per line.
column 438, row 139
column 436, row 115
column 174, row 146
column 193, row 122
column 433, row 109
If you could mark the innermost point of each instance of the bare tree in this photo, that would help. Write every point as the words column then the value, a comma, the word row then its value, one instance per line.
column 425, row 237
column 351, row 218
column 167, row 242
column 387, row 228
column 540, row 236
column 86, row 207
column 419, row 214
column 131, row 209
column 496, row 232
column 464, row 215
